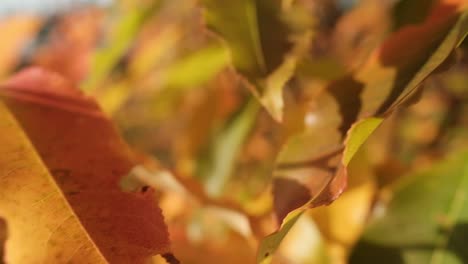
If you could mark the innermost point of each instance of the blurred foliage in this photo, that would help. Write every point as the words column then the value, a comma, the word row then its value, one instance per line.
column 425, row 222
column 257, row 110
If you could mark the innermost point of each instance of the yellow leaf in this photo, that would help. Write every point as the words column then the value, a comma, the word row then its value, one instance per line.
column 77, row 183
column 42, row 228
column 357, row 135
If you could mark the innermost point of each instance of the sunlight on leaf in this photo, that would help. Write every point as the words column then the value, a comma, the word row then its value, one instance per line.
column 86, row 162
column 382, row 88
column 314, row 175
column 303, row 244
column 57, row 236
column 242, row 116
column 271, row 243
column 197, row 68
column 357, row 135
column 341, row 223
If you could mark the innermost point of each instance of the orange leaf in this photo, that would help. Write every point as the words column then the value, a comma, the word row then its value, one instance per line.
column 86, row 158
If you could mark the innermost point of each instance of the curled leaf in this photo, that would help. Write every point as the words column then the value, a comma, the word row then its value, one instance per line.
column 388, row 80
column 260, row 46
column 311, row 168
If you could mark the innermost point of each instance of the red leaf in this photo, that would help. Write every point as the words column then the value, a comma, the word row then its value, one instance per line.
column 87, row 158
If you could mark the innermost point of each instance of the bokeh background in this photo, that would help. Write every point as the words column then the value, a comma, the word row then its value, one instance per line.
column 167, row 83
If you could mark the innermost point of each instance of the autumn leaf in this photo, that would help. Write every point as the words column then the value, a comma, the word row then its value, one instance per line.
column 357, row 135
column 61, row 161
column 314, row 175
column 187, row 72
column 248, row 123
column 341, row 223
column 55, row 236
column 271, row 243
column 383, row 91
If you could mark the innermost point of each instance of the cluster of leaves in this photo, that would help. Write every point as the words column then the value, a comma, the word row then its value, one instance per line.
column 240, row 116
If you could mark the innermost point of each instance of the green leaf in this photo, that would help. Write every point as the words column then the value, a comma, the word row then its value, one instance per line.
column 357, row 135
column 258, row 41
column 197, row 67
column 426, row 222
column 271, row 243
column 123, row 35
column 257, row 44
column 226, row 147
